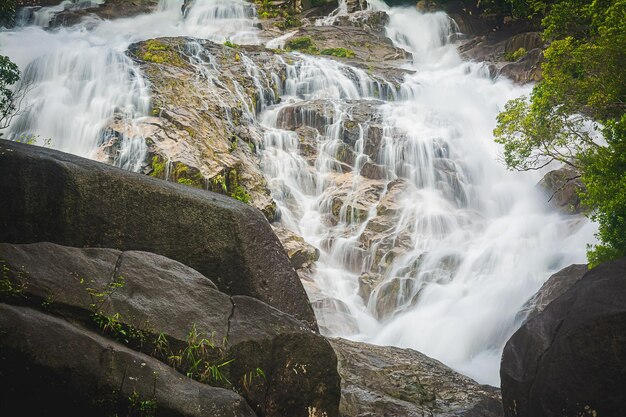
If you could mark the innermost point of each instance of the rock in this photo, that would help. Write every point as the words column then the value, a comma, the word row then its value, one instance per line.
column 562, row 188
column 301, row 254
column 152, row 297
column 208, row 139
column 389, row 381
column 73, row 201
column 552, row 289
column 373, row 51
column 52, row 367
column 526, row 69
column 392, row 296
column 110, row 9
column 370, row 20
column 569, row 359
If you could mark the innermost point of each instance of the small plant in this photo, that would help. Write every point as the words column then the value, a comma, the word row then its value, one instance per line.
column 339, row 52
column 514, row 56
column 249, row 378
column 288, row 23
column 231, row 44
column 303, row 44
column 8, row 288
column 139, row 407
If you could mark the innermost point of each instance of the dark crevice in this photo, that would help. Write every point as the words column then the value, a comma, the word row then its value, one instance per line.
column 232, row 313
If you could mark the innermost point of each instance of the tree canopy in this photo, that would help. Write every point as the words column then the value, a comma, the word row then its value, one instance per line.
column 576, row 114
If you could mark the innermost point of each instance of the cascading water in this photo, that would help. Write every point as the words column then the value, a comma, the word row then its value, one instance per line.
column 453, row 242
column 80, row 79
column 426, row 240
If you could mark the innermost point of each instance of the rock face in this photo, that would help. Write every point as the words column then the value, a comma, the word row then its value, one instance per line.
column 569, row 359
column 110, row 9
column 208, row 139
column 562, row 188
column 553, row 288
column 139, row 300
column 389, row 381
column 72, row 201
column 301, row 254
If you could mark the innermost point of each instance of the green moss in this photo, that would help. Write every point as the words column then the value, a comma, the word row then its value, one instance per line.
column 158, row 52
column 339, row 52
column 302, row 44
column 229, row 184
column 158, row 167
column 514, row 56
column 288, row 23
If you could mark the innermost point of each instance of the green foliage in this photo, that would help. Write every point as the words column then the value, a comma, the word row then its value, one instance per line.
column 302, row 44
column 583, row 93
column 339, row 52
column 141, row 407
column 288, row 23
column 514, row 56
column 605, row 179
column 157, row 52
column 231, row 44
column 7, row 12
column 9, row 288
column 229, row 184
column 9, row 97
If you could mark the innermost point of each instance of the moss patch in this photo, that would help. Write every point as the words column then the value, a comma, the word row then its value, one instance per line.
column 158, row 52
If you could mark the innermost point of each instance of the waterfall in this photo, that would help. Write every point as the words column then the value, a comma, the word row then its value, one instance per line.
column 426, row 240
column 453, row 243
column 81, row 81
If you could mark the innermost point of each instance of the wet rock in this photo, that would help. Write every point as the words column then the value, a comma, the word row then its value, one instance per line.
column 568, row 360
column 373, row 21
column 356, row 5
column 392, row 295
column 372, row 51
column 212, row 131
column 301, row 254
column 333, row 315
column 73, row 201
column 110, row 9
column 552, row 289
column 314, row 113
column 389, row 381
column 367, row 283
column 501, row 54
column 153, row 297
column 526, row 69
column 562, row 188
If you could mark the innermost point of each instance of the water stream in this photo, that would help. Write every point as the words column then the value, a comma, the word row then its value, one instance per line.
column 437, row 251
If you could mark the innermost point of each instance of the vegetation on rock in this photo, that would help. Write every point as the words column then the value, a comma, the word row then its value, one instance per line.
column 583, row 94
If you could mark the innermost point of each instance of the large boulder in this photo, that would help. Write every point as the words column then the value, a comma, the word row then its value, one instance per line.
column 50, row 367
column 562, row 188
column 569, row 360
column 163, row 308
column 57, row 197
column 553, row 288
column 389, row 381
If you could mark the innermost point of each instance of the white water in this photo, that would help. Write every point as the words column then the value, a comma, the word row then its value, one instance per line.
column 81, row 78
column 478, row 240
column 473, row 241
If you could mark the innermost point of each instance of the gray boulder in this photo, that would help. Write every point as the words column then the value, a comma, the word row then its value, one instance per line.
column 57, row 197
column 389, row 381
column 562, row 188
column 163, row 308
column 553, row 288
column 569, row 360
column 52, row 367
